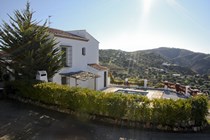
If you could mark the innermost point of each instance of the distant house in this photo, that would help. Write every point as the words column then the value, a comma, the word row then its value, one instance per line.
column 166, row 64
column 176, row 75
column 80, row 60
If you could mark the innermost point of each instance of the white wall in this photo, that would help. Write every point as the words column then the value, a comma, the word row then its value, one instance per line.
column 92, row 45
column 57, row 78
column 80, row 62
column 100, row 80
column 91, row 84
column 85, row 84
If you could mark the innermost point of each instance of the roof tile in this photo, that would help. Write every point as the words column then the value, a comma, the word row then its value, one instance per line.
column 61, row 33
column 98, row 67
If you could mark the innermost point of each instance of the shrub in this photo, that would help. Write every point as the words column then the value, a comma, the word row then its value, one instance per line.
column 199, row 109
column 167, row 112
column 171, row 112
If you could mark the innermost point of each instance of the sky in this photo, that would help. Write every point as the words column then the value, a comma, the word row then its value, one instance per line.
column 127, row 25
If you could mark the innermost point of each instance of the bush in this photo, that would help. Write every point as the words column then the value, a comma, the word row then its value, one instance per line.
column 199, row 106
column 170, row 112
column 167, row 112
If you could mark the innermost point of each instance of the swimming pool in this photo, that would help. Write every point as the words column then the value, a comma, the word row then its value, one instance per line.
column 132, row 91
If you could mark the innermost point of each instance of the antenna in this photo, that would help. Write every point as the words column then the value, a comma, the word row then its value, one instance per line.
column 49, row 22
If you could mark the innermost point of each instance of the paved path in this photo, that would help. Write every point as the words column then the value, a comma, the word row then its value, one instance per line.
column 22, row 121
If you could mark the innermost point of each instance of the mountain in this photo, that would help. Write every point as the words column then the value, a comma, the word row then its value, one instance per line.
column 198, row 62
column 139, row 64
column 156, row 65
column 170, row 53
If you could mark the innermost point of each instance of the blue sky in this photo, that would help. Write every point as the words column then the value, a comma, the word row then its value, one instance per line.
column 127, row 24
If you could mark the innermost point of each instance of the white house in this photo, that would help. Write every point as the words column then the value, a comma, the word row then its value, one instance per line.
column 80, row 59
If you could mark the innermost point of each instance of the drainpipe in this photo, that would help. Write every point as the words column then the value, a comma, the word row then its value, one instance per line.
column 95, row 83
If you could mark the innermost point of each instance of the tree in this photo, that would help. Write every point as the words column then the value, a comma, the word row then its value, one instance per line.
column 1, row 73
column 29, row 46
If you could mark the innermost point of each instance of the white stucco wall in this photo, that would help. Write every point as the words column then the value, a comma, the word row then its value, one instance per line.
column 85, row 84
column 80, row 62
column 92, row 54
column 100, row 80
column 57, row 78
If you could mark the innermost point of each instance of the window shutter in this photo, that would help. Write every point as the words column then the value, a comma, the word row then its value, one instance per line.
column 64, row 56
column 69, row 56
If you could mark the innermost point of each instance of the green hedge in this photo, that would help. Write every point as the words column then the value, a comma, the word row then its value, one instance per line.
column 166, row 112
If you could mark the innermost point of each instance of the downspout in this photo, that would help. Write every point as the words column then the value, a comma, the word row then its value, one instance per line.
column 95, row 83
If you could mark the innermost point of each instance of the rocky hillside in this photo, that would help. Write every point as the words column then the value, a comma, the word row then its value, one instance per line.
column 198, row 62
column 156, row 65
column 139, row 64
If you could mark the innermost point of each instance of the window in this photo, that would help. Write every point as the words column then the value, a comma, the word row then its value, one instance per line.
column 67, row 56
column 84, row 51
column 64, row 56
column 63, row 80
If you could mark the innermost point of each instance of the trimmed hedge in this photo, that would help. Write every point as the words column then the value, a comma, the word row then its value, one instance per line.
column 182, row 113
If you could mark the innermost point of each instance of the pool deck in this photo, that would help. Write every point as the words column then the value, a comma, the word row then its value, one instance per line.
column 152, row 93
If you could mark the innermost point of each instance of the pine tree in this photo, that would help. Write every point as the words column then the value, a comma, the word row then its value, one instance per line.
column 29, row 46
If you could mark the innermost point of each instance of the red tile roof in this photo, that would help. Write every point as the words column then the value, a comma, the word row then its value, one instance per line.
column 61, row 33
column 98, row 67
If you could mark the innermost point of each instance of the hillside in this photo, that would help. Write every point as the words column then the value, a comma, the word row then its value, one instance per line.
column 139, row 65
column 198, row 62
column 170, row 53
column 143, row 60
column 180, row 66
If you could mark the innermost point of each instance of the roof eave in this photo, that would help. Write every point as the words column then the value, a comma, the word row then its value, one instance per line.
column 56, row 35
